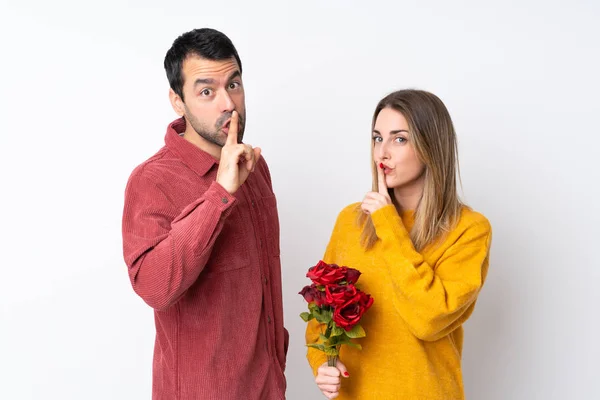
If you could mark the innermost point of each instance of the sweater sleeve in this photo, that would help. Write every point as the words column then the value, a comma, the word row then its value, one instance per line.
column 434, row 300
column 164, row 249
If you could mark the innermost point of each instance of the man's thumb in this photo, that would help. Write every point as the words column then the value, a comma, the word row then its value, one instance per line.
column 342, row 368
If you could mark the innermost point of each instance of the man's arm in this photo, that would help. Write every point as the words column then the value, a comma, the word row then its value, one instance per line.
column 166, row 250
column 166, row 255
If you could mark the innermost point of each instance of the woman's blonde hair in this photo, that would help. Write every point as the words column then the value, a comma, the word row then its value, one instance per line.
column 432, row 135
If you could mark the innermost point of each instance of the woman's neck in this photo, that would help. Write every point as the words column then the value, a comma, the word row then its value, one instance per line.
column 408, row 196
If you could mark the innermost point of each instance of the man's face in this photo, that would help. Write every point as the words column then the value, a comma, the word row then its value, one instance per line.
column 212, row 91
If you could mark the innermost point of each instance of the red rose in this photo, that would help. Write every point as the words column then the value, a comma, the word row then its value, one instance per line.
column 325, row 274
column 350, row 313
column 337, row 295
column 351, row 274
column 313, row 295
column 366, row 300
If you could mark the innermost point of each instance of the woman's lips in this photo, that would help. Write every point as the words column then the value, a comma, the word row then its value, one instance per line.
column 385, row 168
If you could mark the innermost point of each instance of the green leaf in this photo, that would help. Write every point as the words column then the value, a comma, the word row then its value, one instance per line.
column 319, row 318
column 342, row 339
column 317, row 346
column 355, row 345
column 306, row 316
column 333, row 341
column 323, row 316
column 332, row 351
column 356, row 332
column 337, row 331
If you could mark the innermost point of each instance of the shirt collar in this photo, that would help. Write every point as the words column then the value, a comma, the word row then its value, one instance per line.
column 196, row 159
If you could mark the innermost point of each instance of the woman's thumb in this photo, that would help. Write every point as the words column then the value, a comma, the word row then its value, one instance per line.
column 342, row 368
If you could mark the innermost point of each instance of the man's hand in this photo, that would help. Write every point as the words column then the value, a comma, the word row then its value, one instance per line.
column 237, row 160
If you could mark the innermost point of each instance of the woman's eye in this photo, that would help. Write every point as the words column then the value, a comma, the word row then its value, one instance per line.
column 377, row 139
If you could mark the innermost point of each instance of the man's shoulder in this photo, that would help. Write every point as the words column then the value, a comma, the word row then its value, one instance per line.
column 263, row 169
column 158, row 167
column 262, row 163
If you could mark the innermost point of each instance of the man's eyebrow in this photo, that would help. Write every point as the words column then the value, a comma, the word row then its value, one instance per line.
column 210, row 81
column 205, row 81
column 235, row 74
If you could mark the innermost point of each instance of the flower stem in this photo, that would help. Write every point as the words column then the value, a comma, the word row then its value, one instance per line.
column 332, row 361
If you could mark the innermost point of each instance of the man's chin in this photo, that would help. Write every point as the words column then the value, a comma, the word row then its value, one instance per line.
column 218, row 138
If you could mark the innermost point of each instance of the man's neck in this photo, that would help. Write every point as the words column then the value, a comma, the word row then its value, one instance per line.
column 191, row 136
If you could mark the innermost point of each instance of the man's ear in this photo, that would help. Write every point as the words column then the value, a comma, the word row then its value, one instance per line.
column 177, row 103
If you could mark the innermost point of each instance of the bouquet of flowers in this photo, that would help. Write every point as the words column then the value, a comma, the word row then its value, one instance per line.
column 337, row 304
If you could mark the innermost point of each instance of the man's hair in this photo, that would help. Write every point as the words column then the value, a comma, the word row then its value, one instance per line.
column 205, row 43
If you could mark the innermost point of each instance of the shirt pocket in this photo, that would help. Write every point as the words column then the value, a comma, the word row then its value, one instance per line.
column 269, row 210
column 230, row 250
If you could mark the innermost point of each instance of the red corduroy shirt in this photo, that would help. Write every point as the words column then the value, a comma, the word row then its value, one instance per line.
column 208, row 263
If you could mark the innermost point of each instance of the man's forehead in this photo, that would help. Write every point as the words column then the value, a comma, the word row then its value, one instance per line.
column 199, row 67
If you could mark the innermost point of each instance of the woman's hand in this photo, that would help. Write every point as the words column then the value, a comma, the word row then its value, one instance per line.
column 328, row 379
column 373, row 201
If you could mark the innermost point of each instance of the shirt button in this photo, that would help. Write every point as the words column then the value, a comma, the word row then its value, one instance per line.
column 224, row 200
column 253, row 203
column 260, row 242
column 269, row 318
column 266, row 280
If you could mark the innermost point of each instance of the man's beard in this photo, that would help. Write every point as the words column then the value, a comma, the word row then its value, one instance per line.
column 216, row 134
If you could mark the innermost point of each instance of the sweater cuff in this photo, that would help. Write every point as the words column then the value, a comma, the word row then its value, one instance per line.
column 388, row 223
column 392, row 232
column 316, row 360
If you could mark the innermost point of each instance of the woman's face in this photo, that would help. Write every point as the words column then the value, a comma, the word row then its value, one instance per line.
column 392, row 147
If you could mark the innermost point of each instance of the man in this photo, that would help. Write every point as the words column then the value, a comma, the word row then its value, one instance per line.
column 201, row 237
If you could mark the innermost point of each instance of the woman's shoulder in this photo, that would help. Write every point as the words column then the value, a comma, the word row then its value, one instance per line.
column 350, row 211
column 347, row 218
column 473, row 220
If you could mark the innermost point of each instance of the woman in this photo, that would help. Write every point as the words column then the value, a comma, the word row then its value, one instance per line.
column 423, row 256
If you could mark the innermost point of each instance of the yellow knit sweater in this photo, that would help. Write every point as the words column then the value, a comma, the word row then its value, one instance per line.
column 414, row 328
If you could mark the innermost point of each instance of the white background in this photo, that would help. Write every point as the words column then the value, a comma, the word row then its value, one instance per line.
column 84, row 100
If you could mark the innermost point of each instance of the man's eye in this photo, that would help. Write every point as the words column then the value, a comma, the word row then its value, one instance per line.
column 205, row 92
column 234, row 85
